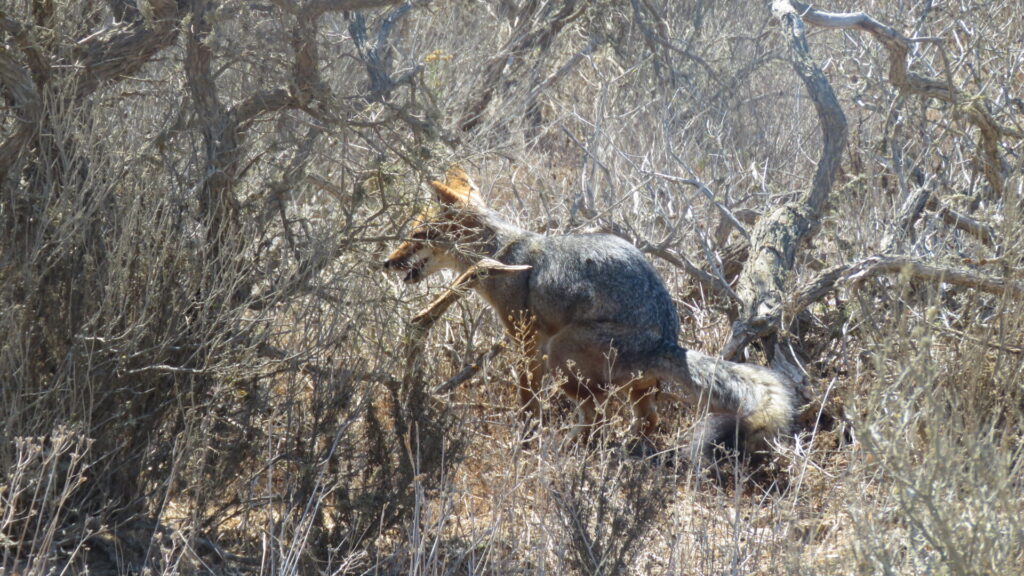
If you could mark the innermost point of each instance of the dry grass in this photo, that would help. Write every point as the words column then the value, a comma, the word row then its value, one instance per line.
column 202, row 368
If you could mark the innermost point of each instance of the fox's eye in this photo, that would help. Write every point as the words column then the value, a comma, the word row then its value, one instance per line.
column 424, row 234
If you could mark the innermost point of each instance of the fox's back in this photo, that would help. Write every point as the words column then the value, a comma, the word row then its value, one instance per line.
column 597, row 278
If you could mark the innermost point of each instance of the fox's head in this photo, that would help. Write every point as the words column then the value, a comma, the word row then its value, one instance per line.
column 437, row 230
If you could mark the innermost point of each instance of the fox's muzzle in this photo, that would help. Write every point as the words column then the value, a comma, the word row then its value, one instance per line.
column 403, row 259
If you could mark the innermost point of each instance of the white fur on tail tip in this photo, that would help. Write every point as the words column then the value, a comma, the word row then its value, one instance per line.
column 774, row 412
column 759, row 397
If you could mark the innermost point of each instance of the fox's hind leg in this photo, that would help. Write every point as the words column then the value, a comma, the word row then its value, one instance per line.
column 588, row 400
column 583, row 353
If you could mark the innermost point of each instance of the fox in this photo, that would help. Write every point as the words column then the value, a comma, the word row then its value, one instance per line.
column 600, row 315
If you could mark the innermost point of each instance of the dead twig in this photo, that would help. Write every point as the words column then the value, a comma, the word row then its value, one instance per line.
column 425, row 319
column 983, row 232
column 486, row 267
column 469, row 370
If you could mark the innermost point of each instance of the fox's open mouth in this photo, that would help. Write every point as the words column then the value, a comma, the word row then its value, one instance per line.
column 413, row 268
column 415, row 273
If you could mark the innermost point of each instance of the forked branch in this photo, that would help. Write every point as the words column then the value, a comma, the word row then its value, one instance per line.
column 526, row 37
column 874, row 266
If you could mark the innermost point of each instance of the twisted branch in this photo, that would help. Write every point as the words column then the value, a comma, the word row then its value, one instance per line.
column 777, row 236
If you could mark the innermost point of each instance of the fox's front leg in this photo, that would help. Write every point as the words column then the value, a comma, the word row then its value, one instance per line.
column 529, row 385
column 642, row 397
column 588, row 417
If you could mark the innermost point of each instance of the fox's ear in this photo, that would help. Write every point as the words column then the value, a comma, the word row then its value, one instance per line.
column 457, row 188
column 457, row 178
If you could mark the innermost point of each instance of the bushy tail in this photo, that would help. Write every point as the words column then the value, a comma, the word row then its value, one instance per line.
column 751, row 404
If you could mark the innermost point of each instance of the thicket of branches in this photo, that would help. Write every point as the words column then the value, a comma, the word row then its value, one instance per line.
column 202, row 368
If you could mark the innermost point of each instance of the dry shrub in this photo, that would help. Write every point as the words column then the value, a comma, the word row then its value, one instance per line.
column 202, row 369
column 607, row 504
column 943, row 440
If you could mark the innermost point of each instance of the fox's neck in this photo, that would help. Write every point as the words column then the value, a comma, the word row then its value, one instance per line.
column 509, row 244
column 493, row 238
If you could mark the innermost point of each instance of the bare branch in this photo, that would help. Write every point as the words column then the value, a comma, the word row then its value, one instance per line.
column 469, row 370
column 874, row 266
column 913, row 208
column 377, row 57
column 878, row 265
column 258, row 104
column 18, row 86
column 708, row 281
column 983, row 232
column 37, row 62
column 216, row 201
column 898, row 46
column 305, row 85
column 124, row 49
column 830, row 114
column 524, row 38
column 703, row 189
column 316, row 8
column 531, row 98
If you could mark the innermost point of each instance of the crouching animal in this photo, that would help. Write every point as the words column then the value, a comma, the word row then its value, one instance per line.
column 598, row 313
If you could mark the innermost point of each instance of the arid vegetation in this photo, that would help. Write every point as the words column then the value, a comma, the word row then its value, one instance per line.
column 204, row 370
